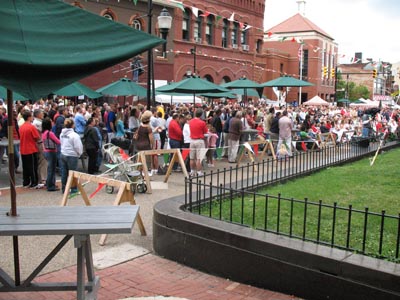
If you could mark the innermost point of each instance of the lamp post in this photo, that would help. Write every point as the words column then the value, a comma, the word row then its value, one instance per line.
column 194, row 52
column 150, row 76
column 164, row 24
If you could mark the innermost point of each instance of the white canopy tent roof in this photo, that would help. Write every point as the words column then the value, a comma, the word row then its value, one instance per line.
column 177, row 99
column 316, row 100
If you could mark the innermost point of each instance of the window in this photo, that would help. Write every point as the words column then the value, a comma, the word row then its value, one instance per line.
column 243, row 36
column 108, row 16
column 234, row 35
column 136, row 24
column 210, row 30
column 258, row 46
column 185, row 25
column 305, row 64
column 225, row 34
column 197, row 28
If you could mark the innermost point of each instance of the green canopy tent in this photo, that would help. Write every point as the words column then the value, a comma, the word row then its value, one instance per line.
column 77, row 89
column 249, row 92
column 245, row 84
column 123, row 87
column 48, row 44
column 286, row 81
column 16, row 96
column 193, row 85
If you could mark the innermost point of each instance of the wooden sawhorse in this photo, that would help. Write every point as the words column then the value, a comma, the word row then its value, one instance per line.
column 124, row 194
column 176, row 158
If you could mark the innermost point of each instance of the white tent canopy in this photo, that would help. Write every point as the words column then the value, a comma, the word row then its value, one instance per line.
column 316, row 100
column 177, row 99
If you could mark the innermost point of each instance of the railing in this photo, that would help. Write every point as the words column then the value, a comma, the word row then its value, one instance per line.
column 230, row 195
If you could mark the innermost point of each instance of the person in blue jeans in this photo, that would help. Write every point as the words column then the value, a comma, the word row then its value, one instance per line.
column 71, row 150
column 50, row 144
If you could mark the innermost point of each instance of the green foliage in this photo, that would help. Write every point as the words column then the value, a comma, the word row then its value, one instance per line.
column 358, row 185
column 355, row 92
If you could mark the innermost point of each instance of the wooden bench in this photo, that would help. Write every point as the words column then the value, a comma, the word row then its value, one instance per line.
column 78, row 222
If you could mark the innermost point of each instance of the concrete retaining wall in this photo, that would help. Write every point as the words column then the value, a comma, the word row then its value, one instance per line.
column 270, row 261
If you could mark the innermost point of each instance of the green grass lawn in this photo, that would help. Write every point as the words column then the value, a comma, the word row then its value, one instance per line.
column 357, row 184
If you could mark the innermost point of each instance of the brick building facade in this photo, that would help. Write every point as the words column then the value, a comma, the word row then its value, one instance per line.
column 227, row 37
column 281, row 45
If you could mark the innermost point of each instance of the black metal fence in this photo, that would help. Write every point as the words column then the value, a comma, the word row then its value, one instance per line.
column 230, row 195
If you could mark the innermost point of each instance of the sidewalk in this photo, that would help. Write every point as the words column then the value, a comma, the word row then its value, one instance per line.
column 150, row 276
column 136, row 272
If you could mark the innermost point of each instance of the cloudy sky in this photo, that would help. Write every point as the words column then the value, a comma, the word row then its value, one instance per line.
column 368, row 26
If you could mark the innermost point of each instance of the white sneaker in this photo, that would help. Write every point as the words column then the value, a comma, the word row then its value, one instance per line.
column 155, row 172
column 150, row 173
column 199, row 173
column 211, row 165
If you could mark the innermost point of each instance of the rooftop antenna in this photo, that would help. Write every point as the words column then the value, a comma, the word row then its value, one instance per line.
column 301, row 7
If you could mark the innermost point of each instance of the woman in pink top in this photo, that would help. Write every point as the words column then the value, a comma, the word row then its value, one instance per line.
column 50, row 142
column 211, row 145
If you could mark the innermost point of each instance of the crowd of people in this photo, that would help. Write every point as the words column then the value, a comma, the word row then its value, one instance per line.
column 53, row 134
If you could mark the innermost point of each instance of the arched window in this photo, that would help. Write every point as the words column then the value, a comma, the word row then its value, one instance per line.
column 197, row 28
column 136, row 24
column 243, row 36
column 210, row 30
column 225, row 29
column 186, row 25
column 235, row 34
column 209, row 78
column 109, row 14
column 225, row 79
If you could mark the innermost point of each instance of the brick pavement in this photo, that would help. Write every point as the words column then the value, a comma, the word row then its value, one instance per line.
column 150, row 276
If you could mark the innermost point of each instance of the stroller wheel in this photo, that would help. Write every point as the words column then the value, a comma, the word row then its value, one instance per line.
column 141, row 188
column 109, row 189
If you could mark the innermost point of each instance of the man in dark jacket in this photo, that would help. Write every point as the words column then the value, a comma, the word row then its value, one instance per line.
column 91, row 143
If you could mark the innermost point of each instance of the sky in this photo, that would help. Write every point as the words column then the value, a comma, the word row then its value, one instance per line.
column 367, row 26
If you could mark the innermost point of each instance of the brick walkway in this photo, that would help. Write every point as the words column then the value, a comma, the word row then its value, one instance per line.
column 150, row 276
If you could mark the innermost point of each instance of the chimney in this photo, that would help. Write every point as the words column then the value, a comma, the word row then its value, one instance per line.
column 301, row 7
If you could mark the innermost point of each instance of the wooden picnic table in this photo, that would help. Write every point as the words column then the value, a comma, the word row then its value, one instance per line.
column 78, row 222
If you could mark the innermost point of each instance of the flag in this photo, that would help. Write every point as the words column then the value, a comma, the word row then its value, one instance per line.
column 99, row 187
column 300, row 53
column 231, row 18
column 206, row 14
column 247, row 27
column 283, row 38
column 195, row 11
column 269, row 33
column 255, row 148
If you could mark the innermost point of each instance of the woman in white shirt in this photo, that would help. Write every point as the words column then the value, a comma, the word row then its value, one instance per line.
column 71, row 150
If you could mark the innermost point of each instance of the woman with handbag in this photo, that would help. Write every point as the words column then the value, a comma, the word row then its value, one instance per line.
column 144, row 135
column 50, row 142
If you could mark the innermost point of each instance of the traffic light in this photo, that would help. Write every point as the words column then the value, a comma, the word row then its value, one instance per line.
column 325, row 71
column 333, row 73
column 374, row 73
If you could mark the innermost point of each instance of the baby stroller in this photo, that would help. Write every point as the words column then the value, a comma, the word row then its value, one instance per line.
column 124, row 168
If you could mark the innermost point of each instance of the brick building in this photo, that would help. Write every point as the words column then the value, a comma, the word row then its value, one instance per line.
column 319, row 51
column 218, row 40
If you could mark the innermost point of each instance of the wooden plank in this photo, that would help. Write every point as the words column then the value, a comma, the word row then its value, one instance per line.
column 82, row 220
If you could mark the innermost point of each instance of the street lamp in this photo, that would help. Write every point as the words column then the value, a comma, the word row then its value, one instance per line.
column 164, row 24
column 194, row 52
column 150, row 62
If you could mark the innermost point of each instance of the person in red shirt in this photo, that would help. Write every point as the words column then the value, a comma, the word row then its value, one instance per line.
column 175, row 134
column 29, row 136
column 197, row 145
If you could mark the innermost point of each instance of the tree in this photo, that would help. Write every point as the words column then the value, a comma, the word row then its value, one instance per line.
column 359, row 91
